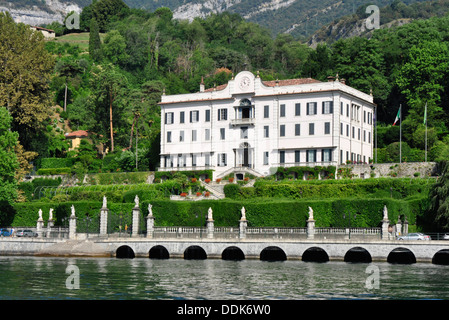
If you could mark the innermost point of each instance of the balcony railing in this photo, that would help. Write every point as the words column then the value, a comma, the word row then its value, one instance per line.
column 243, row 121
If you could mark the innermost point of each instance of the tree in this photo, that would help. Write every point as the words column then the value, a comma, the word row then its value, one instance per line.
column 25, row 71
column 8, row 160
column 108, row 96
column 422, row 80
column 439, row 198
column 94, row 41
column 114, row 48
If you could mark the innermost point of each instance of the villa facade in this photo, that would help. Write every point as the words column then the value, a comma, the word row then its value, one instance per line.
column 253, row 125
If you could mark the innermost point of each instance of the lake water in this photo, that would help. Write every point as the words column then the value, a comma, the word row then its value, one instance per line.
column 48, row 278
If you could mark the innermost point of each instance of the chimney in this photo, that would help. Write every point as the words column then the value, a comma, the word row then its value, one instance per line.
column 202, row 85
column 330, row 79
column 343, row 80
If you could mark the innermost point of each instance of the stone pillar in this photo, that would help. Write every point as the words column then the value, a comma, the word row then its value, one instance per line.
column 310, row 229
column 242, row 228
column 243, row 224
column 72, row 224
column 40, row 225
column 385, row 225
column 150, row 222
column 210, row 224
column 50, row 223
column 136, row 216
column 310, row 225
column 104, row 221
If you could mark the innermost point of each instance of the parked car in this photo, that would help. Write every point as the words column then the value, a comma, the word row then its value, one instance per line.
column 414, row 236
column 446, row 237
column 26, row 233
column 5, row 233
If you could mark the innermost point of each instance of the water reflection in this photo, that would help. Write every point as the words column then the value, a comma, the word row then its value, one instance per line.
column 140, row 278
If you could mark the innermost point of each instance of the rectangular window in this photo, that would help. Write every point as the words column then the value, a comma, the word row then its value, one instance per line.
column 266, row 131
column 347, row 130
column 281, row 156
column 297, row 129
column 326, row 155
column 311, row 156
column 341, row 108
column 282, row 130
column 311, row 129
column 266, row 111
column 181, row 136
column 347, row 110
column 297, row 156
column 222, row 114
column 244, row 132
column 181, row 117
column 222, row 134
column 169, row 118
column 193, row 135
column 353, row 132
column 327, row 128
column 282, row 112
column 328, row 107
column 168, row 136
column 193, row 160
column 341, row 129
column 358, row 134
column 207, row 135
column 207, row 159
column 221, row 159
column 311, row 108
column 297, row 109
column 207, row 116
column 265, row 158
column 194, row 116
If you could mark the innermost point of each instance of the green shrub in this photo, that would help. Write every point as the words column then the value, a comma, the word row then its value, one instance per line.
column 49, row 163
column 54, row 171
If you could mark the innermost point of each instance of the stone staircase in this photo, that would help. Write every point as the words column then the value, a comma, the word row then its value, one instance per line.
column 216, row 189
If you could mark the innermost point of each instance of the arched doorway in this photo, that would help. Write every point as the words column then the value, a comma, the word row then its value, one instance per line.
column 315, row 254
column 158, row 252
column 233, row 253
column 401, row 256
column 273, row 253
column 195, row 253
column 125, row 252
column 358, row 254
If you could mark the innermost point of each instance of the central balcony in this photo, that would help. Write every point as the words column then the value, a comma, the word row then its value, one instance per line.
column 243, row 121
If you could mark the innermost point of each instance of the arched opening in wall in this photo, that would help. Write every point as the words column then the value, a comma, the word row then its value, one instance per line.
column 125, row 252
column 273, row 253
column 158, row 252
column 233, row 253
column 358, row 254
column 195, row 253
column 441, row 257
column 315, row 254
column 401, row 256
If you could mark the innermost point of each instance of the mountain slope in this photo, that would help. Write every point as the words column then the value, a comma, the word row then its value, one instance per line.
column 392, row 15
column 301, row 18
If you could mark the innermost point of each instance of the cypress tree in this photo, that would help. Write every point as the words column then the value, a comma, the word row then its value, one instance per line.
column 94, row 41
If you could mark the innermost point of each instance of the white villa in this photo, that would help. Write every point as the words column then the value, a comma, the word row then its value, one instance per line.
column 251, row 125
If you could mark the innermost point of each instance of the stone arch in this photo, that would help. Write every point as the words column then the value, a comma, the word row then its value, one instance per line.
column 358, row 254
column 401, row 255
column 441, row 257
column 125, row 252
column 315, row 254
column 273, row 253
column 158, row 252
column 195, row 253
column 233, row 253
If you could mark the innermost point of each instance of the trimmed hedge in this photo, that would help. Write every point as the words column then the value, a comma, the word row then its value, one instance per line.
column 51, row 163
column 260, row 213
column 54, row 171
